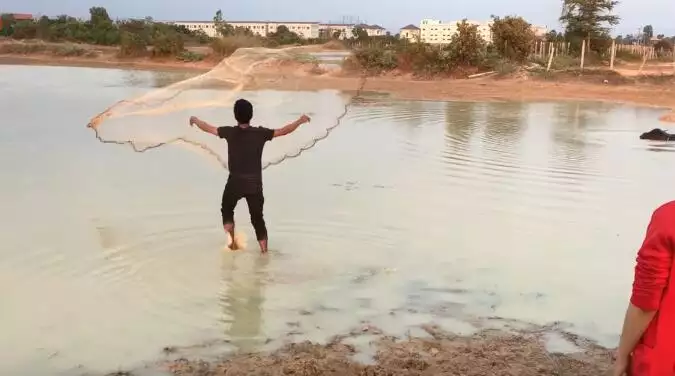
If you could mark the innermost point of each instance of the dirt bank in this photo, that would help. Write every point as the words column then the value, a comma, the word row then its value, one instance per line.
column 655, row 89
column 488, row 353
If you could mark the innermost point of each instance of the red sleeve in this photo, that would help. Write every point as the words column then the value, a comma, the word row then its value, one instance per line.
column 654, row 261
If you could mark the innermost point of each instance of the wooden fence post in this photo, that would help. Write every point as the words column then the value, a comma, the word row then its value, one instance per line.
column 583, row 53
column 612, row 55
column 644, row 60
column 550, row 59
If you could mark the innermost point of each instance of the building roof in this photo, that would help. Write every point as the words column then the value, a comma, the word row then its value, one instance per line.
column 252, row 22
column 410, row 27
column 366, row 26
column 21, row 16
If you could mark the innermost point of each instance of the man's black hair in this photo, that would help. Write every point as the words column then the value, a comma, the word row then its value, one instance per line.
column 243, row 111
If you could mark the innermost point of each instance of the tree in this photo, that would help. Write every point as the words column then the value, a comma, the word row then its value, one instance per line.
column 554, row 36
column 512, row 37
column 663, row 45
column 7, row 21
column 588, row 19
column 98, row 16
column 222, row 27
column 467, row 47
column 360, row 33
column 648, row 33
column 284, row 36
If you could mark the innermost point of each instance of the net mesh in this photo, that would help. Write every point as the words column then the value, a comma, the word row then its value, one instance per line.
column 160, row 117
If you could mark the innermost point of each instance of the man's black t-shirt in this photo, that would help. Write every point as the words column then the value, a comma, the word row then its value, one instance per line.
column 244, row 154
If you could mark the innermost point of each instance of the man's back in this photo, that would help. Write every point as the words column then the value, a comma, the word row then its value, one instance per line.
column 245, row 147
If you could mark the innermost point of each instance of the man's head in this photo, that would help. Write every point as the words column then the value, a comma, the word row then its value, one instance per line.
column 243, row 111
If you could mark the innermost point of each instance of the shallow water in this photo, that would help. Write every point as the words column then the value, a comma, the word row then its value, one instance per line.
column 411, row 212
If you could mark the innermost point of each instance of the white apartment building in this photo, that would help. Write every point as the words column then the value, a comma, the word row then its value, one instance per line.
column 437, row 32
column 303, row 29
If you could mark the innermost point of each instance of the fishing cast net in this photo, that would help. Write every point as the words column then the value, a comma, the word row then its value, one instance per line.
column 282, row 84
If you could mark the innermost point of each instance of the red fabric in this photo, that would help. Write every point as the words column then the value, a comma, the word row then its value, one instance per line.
column 653, row 291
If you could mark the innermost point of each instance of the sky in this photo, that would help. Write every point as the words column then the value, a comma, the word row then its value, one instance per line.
column 391, row 14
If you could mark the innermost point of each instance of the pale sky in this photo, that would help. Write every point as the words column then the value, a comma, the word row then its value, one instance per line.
column 391, row 14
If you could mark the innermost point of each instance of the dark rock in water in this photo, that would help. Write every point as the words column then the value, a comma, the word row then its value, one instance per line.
column 657, row 134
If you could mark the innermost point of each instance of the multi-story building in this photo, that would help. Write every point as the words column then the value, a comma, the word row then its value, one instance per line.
column 437, row 32
column 303, row 29
column 410, row 33
column 337, row 31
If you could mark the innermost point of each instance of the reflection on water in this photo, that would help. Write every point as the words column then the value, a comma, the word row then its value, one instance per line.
column 243, row 298
column 410, row 213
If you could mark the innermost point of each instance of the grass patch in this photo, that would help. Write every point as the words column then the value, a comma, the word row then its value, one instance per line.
column 69, row 50
column 189, row 56
column 504, row 67
column 23, row 48
column 628, row 56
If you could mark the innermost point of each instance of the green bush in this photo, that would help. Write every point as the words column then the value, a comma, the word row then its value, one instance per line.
column 25, row 30
column 189, row 56
column 467, row 47
column 375, row 60
column 132, row 45
column 424, row 60
column 512, row 37
column 167, row 45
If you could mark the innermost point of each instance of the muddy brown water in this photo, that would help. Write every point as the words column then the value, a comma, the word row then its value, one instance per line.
column 409, row 213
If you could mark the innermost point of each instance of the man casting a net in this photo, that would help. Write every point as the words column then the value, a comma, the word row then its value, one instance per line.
column 244, row 147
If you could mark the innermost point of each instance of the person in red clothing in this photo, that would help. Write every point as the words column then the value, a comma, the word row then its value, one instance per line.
column 647, row 346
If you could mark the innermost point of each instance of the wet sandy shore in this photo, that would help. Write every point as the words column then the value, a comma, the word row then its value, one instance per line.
column 490, row 352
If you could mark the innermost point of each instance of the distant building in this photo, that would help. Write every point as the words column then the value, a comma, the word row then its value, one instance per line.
column 410, row 32
column 337, row 31
column 305, row 30
column 373, row 30
column 540, row 31
column 18, row 17
column 437, row 32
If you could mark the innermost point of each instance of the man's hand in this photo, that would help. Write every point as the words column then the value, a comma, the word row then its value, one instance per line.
column 290, row 128
column 204, row 126
column 621, row 365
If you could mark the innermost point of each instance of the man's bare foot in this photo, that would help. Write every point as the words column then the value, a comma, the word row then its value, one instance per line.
column 232, row 243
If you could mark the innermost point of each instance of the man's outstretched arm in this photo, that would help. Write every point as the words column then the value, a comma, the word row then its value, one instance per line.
column 289, row 128
column 204, row 126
